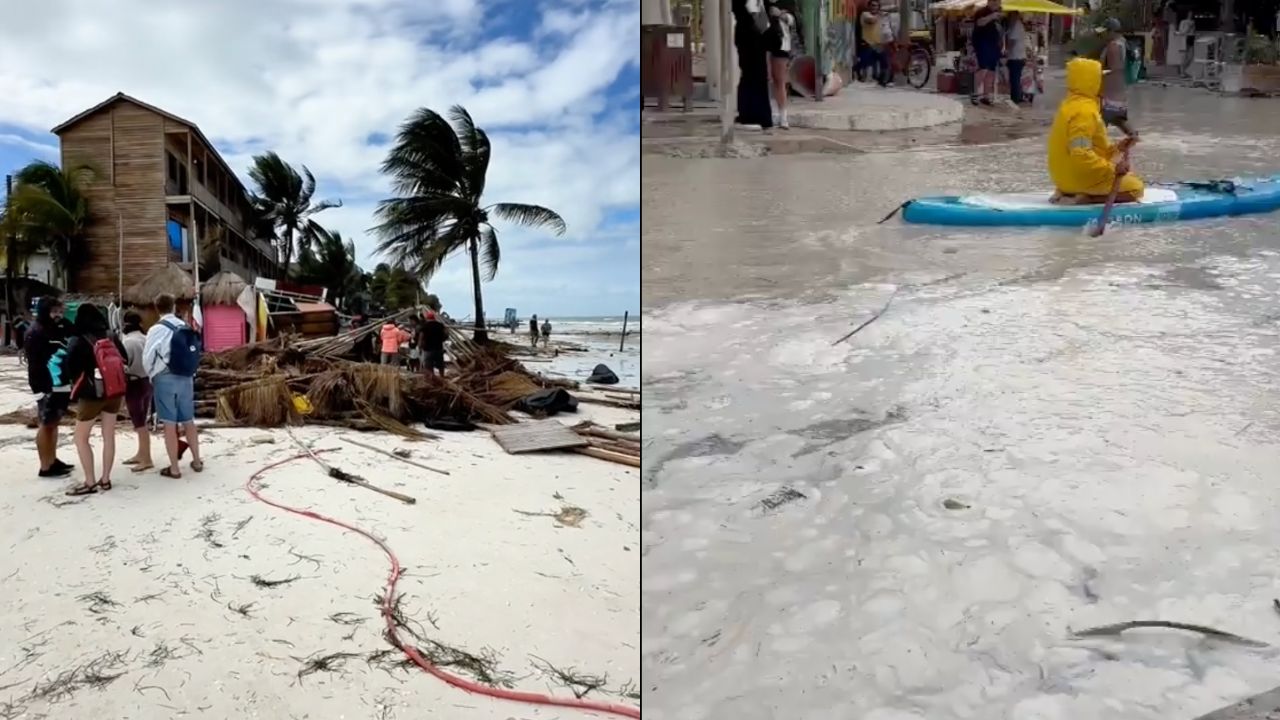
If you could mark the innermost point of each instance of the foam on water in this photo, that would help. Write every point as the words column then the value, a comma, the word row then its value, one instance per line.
column 983, row 469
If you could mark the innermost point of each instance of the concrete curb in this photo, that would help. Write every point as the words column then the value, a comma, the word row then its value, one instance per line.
column 877, row 110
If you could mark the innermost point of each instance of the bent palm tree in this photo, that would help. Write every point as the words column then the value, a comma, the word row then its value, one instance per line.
column 49, row 209
column 439, row 171
column 286, row 198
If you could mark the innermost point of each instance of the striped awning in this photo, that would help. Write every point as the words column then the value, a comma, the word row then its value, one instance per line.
column 1026, row 6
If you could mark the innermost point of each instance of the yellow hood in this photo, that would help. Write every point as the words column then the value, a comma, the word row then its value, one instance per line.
column 1084, row 77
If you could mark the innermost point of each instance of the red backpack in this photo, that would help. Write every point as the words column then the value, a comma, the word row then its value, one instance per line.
column 111, row 381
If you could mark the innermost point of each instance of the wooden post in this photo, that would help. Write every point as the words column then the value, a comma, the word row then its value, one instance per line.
column 623, row 341
column 8, row 263
column 120, row 258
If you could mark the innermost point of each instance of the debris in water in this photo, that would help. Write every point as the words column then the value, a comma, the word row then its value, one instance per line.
column 953, row 504
column 781, row 497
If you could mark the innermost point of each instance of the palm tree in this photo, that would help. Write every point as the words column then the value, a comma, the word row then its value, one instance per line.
column 286, row 198
column 393, row 288
column 49, row 209
column 332, row 264
column 438, row 170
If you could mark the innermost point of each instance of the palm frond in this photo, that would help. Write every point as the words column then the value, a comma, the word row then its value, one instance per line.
column 475, row 150
column 529, row 216
column 490, row 253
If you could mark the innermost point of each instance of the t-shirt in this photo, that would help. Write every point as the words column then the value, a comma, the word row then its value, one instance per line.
column 985, row 37
column 871, row 29
column 1017, row 37
column 433, row 336
column 135, row 345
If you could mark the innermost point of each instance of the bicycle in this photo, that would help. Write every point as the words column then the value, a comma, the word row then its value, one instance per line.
column 915, row 60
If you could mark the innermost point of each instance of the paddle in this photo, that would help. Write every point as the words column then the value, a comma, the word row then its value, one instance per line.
column 1101, row 226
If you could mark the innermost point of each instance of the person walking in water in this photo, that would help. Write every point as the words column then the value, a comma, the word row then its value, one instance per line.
column 533, row 330
column 546, row 332
column 1115, row 86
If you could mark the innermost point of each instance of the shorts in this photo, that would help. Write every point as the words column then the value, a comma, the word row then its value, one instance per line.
column 175, row 398
column 390, row 358
column 434, row 359
column 988, row 58
column 137, row 397
column 90, row 410
column 1114, row 113
column 51, row 408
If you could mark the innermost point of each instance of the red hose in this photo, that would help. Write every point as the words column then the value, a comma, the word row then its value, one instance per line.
column 388, row 600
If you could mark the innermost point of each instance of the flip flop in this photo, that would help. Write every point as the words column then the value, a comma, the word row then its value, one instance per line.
column 130, row 461
column 169, row 473
column 197, row 465
column 144, row 468
column 83, row 490
column 104, row 484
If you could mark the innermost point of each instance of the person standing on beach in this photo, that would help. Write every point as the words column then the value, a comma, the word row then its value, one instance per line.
column 546, row 332
column 45, row 338
column 533, row 330
column 392, row 336
column 137, row 396
column 95, row 366
column 433, row 337
column 170, row 357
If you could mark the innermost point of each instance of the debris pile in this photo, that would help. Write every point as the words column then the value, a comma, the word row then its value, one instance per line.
column 612, row 445
column 280, row 382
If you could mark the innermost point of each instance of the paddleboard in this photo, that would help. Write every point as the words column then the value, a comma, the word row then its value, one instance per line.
column 1160, row 203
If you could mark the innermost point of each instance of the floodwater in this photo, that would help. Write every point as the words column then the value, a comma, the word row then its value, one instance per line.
column 1041, row 433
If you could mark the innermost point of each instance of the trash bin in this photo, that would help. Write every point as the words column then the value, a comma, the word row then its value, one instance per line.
column 1134, row 69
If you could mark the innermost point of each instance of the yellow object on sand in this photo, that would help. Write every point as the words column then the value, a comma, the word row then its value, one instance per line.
column 302, row 404
column 1081, row 158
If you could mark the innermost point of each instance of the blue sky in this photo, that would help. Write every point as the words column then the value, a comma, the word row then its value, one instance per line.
column 326, row 83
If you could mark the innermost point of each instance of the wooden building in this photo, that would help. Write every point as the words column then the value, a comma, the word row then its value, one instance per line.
column 160, row 194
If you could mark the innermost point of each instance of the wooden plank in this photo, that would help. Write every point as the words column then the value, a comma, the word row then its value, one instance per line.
column 611, row 456
column 536, row 435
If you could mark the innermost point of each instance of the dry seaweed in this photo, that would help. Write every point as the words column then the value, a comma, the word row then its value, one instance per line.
column 267, row 583
column 578, row 683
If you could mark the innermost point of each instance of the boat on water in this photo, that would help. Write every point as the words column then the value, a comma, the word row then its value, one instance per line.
column 1172, row 202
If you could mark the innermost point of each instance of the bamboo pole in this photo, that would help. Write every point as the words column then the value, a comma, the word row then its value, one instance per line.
column 394, row 456
column 616, row 457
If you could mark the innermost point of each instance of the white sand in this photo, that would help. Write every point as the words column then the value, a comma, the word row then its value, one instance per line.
column 485, row 575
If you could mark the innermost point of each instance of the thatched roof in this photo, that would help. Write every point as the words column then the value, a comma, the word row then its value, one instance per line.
column 222, row 289
column 170, row 279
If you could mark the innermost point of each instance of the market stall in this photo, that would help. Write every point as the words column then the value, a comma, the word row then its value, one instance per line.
column 954, row 26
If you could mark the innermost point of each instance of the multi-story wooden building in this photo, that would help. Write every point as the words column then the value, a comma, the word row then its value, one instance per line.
column 160, row 193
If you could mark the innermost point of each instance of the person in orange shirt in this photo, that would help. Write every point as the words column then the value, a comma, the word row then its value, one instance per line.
column 392, row 337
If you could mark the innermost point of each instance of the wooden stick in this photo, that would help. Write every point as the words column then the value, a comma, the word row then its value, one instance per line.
column 590, row 429
column 616, row 457
column 346, row 477
column 393, row 455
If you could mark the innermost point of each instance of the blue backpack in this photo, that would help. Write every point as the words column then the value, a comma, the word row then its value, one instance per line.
column 185, row 348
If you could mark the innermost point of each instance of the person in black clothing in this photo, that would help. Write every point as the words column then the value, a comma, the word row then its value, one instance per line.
column 434, row 334
column 753, row 66
column 533, row 330
column 988, row 46
column 46, row 337
column 78, row 369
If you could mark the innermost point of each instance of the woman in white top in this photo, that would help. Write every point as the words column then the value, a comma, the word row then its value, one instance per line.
column 781, row 42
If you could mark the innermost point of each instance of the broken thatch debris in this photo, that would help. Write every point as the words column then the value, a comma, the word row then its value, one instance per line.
column 333, row 662
column 781, row 497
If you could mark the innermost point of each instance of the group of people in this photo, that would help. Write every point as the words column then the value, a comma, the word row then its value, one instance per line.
column 535, row 334
column 83, row 367
column 998, row 36
column 424, row 338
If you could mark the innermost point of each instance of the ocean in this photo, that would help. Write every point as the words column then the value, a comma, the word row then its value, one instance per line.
column 600, row 336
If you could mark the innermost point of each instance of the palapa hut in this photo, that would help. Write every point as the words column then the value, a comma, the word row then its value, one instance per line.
column 225, row 323
column 171, row 280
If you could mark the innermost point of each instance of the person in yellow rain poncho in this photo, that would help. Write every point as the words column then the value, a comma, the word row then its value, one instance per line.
column 1083, row 163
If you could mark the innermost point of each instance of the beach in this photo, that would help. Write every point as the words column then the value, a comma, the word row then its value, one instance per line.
column 582, row 343
column 169, row 598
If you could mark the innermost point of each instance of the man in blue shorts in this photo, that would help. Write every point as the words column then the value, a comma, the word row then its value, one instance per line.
column 988, row 46
column 174, row 389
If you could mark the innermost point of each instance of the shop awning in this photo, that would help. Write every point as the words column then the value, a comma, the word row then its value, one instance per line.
column 1025, row 6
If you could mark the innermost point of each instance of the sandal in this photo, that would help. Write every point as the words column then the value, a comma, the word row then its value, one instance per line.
column 169, row 473
column 197, row 465
column 130, row 461
column 83, row 490
column 105, row 484
column 144, row 467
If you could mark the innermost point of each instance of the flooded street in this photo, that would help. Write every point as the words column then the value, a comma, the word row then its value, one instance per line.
column 1040, row 433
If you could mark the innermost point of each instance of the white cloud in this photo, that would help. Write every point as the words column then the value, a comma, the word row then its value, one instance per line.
column 312, row 79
